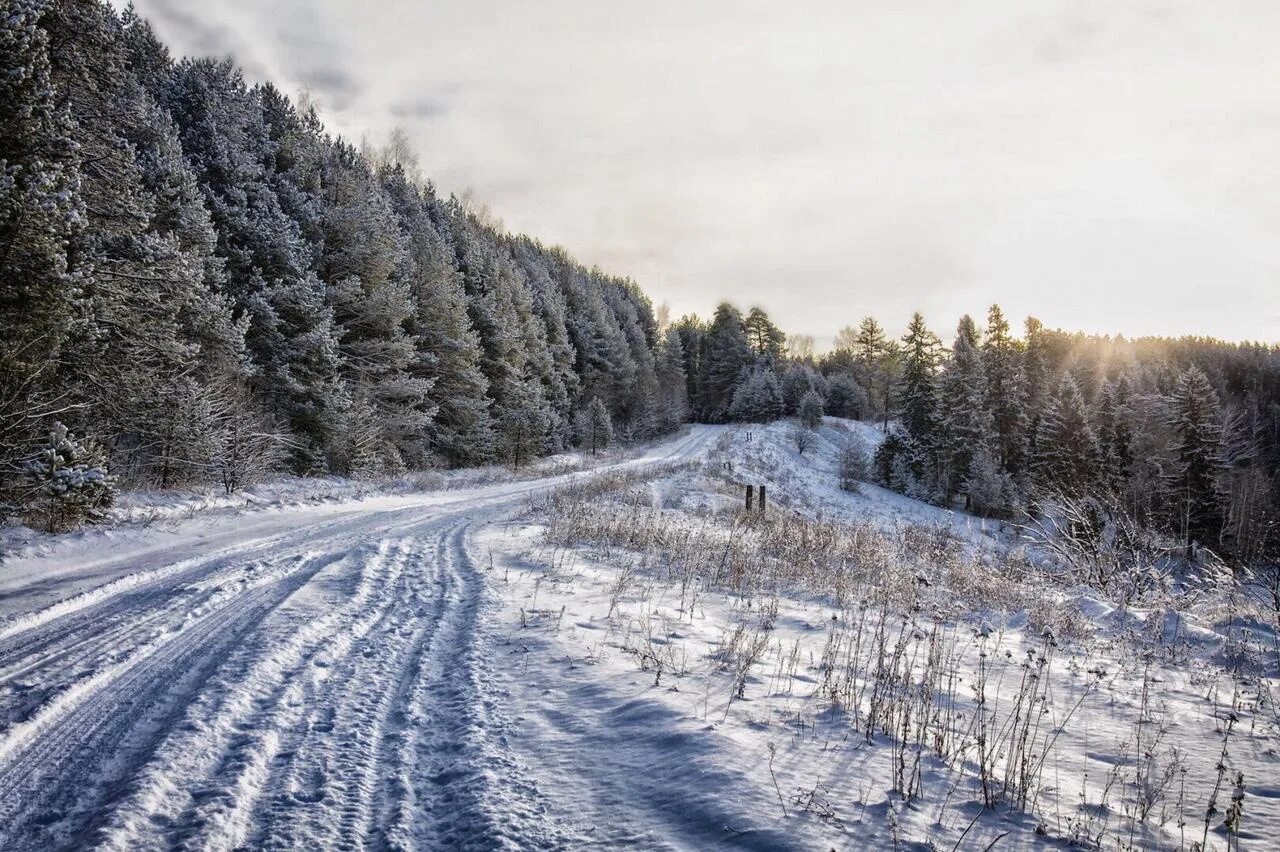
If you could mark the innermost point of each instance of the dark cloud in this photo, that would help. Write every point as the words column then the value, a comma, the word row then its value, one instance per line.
column 200, row 37
column 334, row 87
column 1057, row 158
column 421, row 106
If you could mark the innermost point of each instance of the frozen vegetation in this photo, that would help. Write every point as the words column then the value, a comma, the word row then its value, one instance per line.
column 622, row 656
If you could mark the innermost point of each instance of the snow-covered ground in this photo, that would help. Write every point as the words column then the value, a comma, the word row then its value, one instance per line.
column 713, row 709
column 614, row 658
column 311, row 676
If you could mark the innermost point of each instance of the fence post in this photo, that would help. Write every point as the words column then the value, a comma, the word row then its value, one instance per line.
column 762, row 499
column 750, row 494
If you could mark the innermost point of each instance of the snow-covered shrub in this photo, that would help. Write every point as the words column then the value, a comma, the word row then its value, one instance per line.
column 593, row 427
column 990, row 490
column 802, row 438
column 249, row 444
column 810, row 410
column 854, row 466
column 68, row 482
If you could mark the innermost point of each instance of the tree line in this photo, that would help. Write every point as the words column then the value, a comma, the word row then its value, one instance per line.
column 199, row 283
column 1179, row 436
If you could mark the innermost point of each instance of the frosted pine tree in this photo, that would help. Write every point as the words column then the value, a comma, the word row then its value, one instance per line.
column 67, row 482
column 765, row 339
column 966, row 425
column 449, row 348
column 673, row 394
column 727, row 354
column 1006, row 396
column 1115, row 438
column 917, row 392
column 1196, row 422
column 758, row 399
column 1068, row 456
column 810, row 410
column 844, row 397
column 367, row 273
column 40, row 212
column 270, row 274
column 595, row 426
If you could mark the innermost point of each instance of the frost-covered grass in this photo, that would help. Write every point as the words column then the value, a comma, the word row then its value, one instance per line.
column 867, row 671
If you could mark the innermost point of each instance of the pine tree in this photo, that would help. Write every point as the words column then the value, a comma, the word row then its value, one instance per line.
column 1196, row 421
column 270, row 275
column 989, row 490
column 810, row 410
column 727, row 355
column 367, row 274
column 1035, row 373
column 1006, row 397
column 845, row 398
column 692, row 335
column 1068, row 458
column 522, row 422
column 673, row 400
column 758, row 399
column 966, row 424
column 765, row 339
column 157, row 334
column 1115, row 438
column 918, row 385
column 68, row 481
column 596, row 427
column 41, row 211
column 876, row 360
column 449, row 349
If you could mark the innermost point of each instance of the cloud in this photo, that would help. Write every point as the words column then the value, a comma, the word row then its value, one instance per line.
column 834, row 159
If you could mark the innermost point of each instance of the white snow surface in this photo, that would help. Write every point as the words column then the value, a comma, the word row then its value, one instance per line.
column 394, row 668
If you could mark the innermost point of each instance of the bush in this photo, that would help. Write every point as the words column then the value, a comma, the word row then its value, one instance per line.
column 68, row 484
column 810, row 410
column 802, row 438
column 854, row 466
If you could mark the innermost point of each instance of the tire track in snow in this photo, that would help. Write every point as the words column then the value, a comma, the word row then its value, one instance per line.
column 471, row 792
column 52, row 780
column 187, row 699
column 327, row 793
column 252, row 715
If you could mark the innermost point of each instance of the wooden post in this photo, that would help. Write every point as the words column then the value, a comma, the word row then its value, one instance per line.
column 762, row 499
column 750, row 494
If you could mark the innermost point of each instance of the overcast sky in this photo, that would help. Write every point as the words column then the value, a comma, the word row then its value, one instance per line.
column 1110, row 166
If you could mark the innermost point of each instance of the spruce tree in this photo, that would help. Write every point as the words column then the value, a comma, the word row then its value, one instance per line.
column 810, row 410
column 1068, row 457
column 758, row 399
column 918, row 385
column 1006, row 397
column 1196, row 421
column 966, row 424
column 1115, row 437
column 673, row 400
column 727, row 355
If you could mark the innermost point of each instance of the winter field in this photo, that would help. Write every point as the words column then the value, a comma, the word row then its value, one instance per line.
column 615, row 655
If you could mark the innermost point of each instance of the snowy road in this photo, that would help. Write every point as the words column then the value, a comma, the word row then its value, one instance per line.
column 308, row 678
